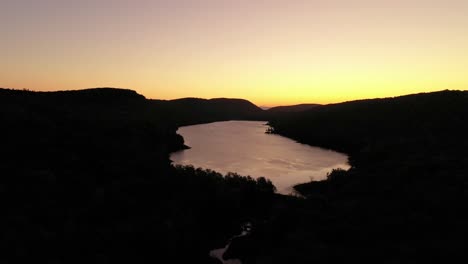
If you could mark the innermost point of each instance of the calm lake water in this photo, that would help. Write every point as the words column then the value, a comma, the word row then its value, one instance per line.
column 244, row 147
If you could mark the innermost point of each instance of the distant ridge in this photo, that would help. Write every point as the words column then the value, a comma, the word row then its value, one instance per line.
column 188, row 111
column 366, row 120
column 101, row 94
column 116, row 103
column 292, row 108
column 94, row 90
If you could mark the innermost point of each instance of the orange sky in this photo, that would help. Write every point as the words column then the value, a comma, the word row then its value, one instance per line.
column 269, row 52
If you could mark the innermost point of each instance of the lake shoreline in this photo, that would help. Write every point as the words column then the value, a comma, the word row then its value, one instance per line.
column 243, row 147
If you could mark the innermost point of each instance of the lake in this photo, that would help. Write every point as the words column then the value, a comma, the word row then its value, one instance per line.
column 243, row 147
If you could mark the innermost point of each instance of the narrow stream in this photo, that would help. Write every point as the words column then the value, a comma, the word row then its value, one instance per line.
column 218, row 253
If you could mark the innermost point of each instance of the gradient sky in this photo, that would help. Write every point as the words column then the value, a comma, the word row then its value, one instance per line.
column 269, row 52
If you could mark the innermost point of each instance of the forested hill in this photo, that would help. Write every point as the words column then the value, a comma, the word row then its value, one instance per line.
column 68, row 115
column 183, row 111
column 353, row 125
column 287, row 111
column 86, row 177
column 187, row 111
column 405, row 198
column 291, row 108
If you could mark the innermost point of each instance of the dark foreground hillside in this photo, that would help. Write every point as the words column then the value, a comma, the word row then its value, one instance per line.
column 85, row 178
column 405, row 199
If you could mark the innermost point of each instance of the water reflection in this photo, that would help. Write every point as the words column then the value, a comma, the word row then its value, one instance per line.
column 244, row 147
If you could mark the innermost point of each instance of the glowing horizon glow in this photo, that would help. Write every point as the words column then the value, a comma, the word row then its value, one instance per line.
column 269, row 52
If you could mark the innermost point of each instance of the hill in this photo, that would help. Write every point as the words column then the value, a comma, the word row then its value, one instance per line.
column 351, row 126
column 86, row 177
column 404, row 199
column 291, row 108
column 187, row 111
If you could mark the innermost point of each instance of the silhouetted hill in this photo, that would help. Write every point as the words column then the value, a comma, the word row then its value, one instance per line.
column 85, row 176
column 404, row 199
column 111, row 96
column 187, row 111
column 353, row 125
column 285, row 111
column 291, row 108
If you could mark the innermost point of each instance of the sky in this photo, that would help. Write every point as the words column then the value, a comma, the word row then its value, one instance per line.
column 270, row 52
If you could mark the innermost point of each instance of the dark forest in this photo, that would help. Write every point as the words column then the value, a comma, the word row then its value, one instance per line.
column 86, row 177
